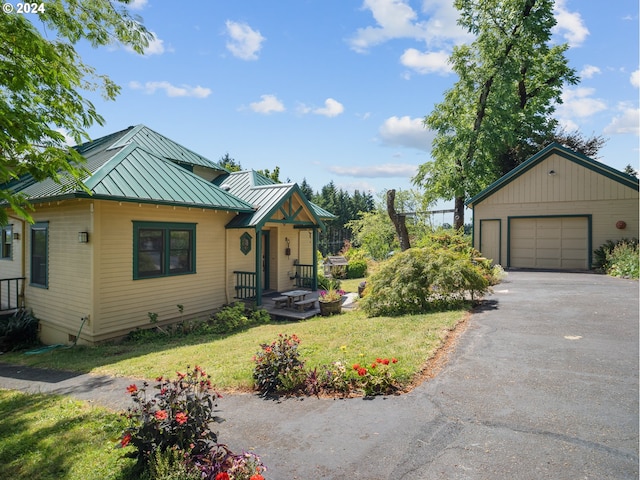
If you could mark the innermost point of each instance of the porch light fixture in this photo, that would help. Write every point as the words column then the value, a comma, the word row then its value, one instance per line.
column 83, row 237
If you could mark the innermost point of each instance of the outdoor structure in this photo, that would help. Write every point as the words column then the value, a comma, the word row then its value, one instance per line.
column 163, row 233
column 553, row 210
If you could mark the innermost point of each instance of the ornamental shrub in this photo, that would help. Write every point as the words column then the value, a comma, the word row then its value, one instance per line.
column 178, row 416
column 424, row 279
column 602, row 254
column 235, row 317
column 357, row 269
column 278, row 367
column 624, row 260
column 18, row 330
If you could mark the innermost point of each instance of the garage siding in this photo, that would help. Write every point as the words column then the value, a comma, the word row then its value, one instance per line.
column 560, row 243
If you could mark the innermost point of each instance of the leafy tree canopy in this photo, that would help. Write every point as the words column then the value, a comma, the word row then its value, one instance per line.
column 41, row 77
column 510, row 78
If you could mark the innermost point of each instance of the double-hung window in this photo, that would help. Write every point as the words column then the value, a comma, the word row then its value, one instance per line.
column 163, row 249
column 6, row 251
column 40, row 254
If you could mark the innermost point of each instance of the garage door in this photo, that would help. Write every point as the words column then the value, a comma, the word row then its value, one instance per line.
column 556, row 243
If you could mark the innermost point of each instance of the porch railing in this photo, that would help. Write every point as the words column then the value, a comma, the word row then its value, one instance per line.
column 11, row 293
column 245, row 284
column 304, row 276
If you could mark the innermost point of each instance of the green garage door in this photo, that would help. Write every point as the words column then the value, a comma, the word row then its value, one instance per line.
column 560, row 243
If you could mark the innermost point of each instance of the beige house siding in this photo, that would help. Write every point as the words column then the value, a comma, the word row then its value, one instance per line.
column 113, row 300
column 70, row 266
column 13, row 266
column 570, row 190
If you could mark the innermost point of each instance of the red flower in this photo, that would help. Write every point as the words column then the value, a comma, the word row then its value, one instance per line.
column 125, row 440
column 159, row 379
column 268, row 349
column 181, row 418
column 385, row 361
column 356, row 366
column 394, row 360
column 257, row 476
column 133, row 388
column 222, row 476
column 362, row 371
column 181, row 375
column 373, row 365
column 160, row 415
column 378, row 360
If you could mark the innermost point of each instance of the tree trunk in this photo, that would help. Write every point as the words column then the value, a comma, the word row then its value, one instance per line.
column 458, row 213
column 399, row 221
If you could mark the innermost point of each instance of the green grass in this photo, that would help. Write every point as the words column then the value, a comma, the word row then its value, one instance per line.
column 51, row 437
column 412, row 339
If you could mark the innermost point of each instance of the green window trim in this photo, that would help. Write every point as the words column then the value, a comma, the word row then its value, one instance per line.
column 162, row 249
column 39, row 255
column 6, row 249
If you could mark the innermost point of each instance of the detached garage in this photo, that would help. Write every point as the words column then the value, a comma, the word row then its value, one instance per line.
column 552, row 211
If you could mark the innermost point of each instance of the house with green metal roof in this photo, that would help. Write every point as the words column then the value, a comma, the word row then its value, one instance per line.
column 157, row 226
column 553, row 210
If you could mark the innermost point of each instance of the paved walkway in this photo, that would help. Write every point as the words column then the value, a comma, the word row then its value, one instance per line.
column 542, row 385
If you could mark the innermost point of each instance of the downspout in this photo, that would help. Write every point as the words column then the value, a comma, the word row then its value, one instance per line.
column 258, row 266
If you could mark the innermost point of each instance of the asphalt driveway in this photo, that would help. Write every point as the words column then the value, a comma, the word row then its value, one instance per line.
column 542, row 385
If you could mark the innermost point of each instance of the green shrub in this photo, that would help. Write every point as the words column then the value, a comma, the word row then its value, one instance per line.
column 623, row 260
column 423, row 279
column 235, row 317
column 278, row 367
column 19, row 330
column 326, row 283
column 357, row 269
column 601, row 254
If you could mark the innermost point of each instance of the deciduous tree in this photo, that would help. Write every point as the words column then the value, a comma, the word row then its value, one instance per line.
column 510, row 77
column 42, row 78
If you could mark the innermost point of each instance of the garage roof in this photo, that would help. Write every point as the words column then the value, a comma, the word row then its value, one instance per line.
column 571, row 155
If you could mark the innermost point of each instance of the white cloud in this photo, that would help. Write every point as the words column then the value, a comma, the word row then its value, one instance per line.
column 268, row 104
column 244, row 42
column 588, row 71
column 635, row 79
column 377, row 171
column 171, row 90
column 407, row 132
column 427, row 62
column 137, row 4
column 578, row 103
column 570, row 25
column 332, row 108
column 626, row 123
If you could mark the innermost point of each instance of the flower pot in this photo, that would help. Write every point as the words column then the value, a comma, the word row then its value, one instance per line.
column 330, row 308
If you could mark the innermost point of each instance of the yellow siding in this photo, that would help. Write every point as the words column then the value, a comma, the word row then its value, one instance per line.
column 13, row 267
column 572, row 190
column 68, row 298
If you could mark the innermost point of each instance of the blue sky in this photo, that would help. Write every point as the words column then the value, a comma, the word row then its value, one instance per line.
column 337, row 89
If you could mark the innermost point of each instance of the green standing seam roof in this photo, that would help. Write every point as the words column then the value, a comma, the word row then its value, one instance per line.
column 571, row 155
column 266, row 196
column 133, row 174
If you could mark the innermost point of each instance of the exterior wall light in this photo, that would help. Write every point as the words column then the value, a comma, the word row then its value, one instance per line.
column 83, row 237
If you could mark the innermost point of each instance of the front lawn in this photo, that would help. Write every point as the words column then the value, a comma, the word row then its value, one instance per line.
column 351, row 337
column 48, row 437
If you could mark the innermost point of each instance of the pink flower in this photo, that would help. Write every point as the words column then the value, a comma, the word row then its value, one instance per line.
column 160, row 415
column 181, row 418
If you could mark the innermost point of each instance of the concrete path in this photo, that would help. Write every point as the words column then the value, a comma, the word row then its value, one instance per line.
column 542, row 385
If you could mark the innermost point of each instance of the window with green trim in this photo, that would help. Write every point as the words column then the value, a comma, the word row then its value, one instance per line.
column 6, row 250
column 163, row 249
column 40, row 254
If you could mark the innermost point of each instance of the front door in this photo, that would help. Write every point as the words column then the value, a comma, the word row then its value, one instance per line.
column 265, row 260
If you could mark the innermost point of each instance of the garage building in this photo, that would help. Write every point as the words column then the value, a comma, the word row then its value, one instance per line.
column 553, row 210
